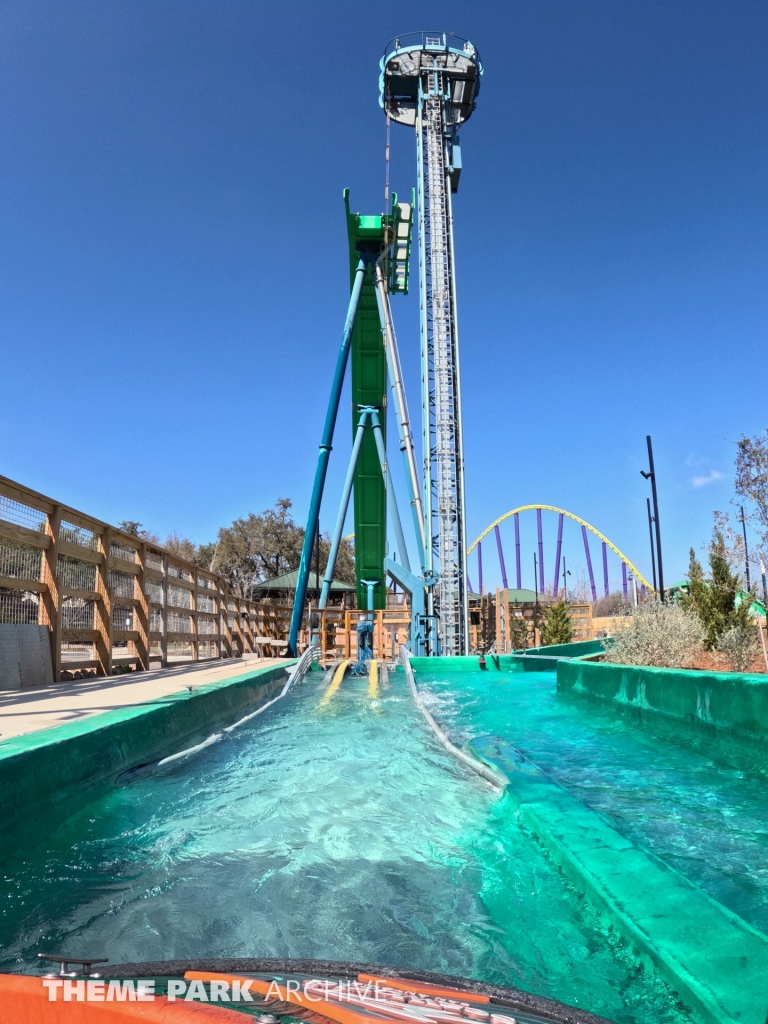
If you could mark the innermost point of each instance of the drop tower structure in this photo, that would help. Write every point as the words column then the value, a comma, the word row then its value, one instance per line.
column 430, row 80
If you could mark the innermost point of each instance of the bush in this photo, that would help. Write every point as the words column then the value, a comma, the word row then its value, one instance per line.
column 614, row 604
column 557, row 628
column 740, row 645
column 664, row 635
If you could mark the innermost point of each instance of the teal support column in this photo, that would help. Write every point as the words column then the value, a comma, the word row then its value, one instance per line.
column 322, row 459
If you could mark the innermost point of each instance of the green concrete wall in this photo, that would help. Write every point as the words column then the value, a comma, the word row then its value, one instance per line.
column 576, row 649
column 730, row 706
column 716, row 962
column 493, row 663
column 47, row 776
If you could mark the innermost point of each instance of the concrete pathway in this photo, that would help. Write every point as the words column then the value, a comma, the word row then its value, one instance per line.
column 42, row 707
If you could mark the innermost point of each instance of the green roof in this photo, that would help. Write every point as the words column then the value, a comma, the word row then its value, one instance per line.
column 518, row 596
column 288, row 582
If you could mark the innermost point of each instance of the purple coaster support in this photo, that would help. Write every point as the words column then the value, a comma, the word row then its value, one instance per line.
column 519, row 573
column 501, row 557
column 624, row 578
column 558, row 549
column 469, row 585
column 605, row 569
column 480, row 564
column 589, row 563
column 642, row 590
column 541, row 551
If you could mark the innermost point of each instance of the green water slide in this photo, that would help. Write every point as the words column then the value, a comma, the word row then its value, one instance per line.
column 369, row 387
column 372, row 235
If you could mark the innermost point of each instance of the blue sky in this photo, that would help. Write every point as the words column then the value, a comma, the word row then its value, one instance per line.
column 173, row 266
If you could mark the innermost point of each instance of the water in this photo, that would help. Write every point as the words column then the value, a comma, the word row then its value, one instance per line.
column 339, row 830
column 706, row 816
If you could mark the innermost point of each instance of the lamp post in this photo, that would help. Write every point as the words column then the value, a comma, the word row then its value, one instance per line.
column 566, row 573
column 536, row 592
column 650, row 532
column 651, row 475
column 746, row 549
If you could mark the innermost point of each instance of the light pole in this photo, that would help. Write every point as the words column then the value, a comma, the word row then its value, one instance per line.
column 650, row 531
column 651, row 475
column 746, row 549
column 566, row 573
column 536, row 592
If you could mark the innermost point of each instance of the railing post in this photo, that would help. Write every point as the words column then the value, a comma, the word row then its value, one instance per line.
column 238, row 631
column 248, row 628
column 141, row 610
column 164, row 613
column 224, row 630
column 50, row 603
column 103, row 607
column 195, row 633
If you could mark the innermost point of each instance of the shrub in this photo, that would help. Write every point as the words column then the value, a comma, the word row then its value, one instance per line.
column 557, row 628
column 740, row 645
column 664, row 635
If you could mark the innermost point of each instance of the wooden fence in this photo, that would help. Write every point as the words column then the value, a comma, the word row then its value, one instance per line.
column 506, row 625
column 113, row 602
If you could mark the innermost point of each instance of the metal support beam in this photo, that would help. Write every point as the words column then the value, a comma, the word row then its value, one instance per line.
column 501, row 559
column 541, row 550
column 394, row 512
column 321, row 470
column 518, row 566
column 343, row 508
column 589, row 563
column 397, row 386
column 558, row 549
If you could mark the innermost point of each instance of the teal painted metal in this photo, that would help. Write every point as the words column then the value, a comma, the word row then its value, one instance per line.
column 394, row 513
column 358, row 273
column 345, row 496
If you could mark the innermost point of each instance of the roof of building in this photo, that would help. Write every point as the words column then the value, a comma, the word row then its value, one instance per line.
column 288, row 582
column 519, row 596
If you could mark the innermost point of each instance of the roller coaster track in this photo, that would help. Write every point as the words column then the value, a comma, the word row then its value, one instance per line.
column 582, row 522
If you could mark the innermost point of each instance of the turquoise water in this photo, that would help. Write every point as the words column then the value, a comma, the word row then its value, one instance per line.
column 706, row 816
column 339, row 830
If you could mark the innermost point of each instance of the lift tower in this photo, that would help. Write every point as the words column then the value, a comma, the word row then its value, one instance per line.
column 430, row 80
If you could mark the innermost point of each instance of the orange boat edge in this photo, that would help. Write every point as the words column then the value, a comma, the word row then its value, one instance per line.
column 25, row 1000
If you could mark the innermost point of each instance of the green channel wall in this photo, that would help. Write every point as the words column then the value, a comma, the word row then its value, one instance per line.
column 47, row 776
column 714, row 960
column 730, row 707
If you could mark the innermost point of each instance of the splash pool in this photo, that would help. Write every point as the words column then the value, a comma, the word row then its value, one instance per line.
column 323, row 828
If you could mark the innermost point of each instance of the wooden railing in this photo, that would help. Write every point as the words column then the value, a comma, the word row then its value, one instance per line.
column 112, row 601
column 338, row 632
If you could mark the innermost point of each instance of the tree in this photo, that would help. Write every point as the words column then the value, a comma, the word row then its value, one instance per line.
column 751, row 484
column 714, row 600
column 135, row 529
column 557, row 628
column 262, row 547
column 181, row 547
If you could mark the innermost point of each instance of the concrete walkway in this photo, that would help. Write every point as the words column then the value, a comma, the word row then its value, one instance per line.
column 42, row 707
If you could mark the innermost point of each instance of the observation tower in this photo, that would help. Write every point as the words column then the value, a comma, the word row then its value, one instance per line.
column 430, row 80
